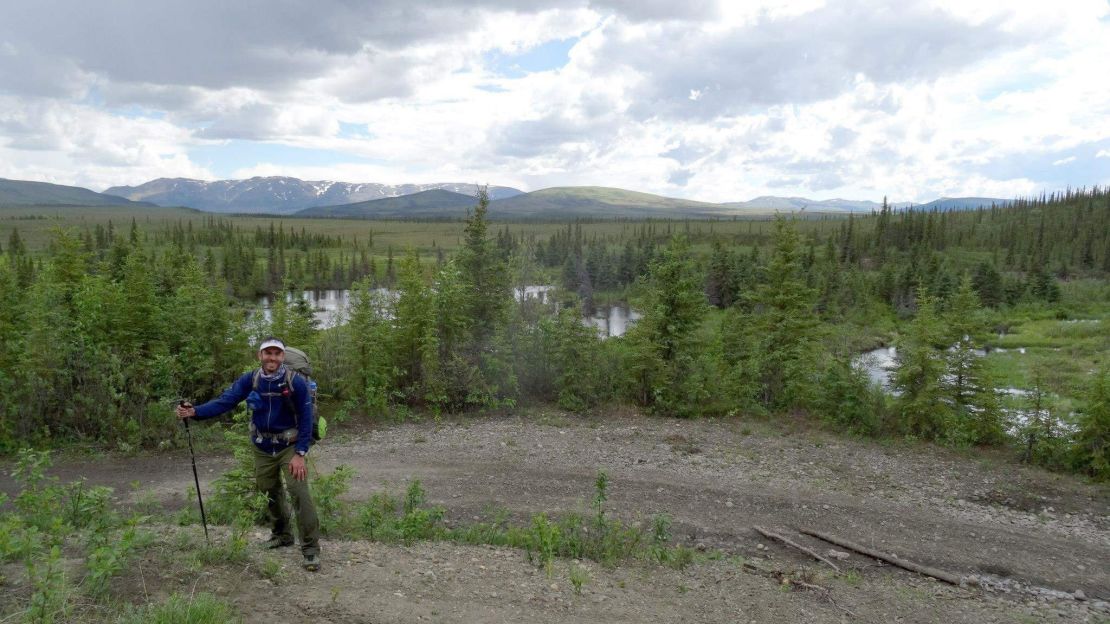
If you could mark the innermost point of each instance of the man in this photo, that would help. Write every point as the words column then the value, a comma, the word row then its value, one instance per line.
column 281, row 442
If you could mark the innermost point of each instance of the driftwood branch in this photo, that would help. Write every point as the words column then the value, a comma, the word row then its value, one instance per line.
column 785, row 579
column 947, row 577
column 811, row 553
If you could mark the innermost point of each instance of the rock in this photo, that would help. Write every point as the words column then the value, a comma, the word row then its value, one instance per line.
column 1079, row 595
column 839, row 555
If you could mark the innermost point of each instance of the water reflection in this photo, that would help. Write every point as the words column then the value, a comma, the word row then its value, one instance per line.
column 541, row 293
column 880, row 364
column 611, row 321
column 329, row 307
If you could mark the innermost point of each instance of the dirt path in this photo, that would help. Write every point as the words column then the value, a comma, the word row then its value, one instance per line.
column 966, row 514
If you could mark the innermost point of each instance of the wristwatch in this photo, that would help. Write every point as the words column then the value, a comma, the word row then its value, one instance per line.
column 302, row 453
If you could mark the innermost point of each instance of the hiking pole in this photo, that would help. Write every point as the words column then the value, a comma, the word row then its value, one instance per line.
column 196, row 479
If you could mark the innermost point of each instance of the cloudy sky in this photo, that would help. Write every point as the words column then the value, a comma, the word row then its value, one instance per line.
column 716, row 101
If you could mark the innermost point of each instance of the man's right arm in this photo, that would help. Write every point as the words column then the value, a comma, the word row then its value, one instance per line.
column 224, row 403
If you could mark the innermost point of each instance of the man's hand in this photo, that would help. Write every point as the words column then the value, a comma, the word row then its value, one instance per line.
column 185, row 410
column 297, row 467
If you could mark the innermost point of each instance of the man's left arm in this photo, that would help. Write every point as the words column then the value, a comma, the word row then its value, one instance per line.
column 303, row 404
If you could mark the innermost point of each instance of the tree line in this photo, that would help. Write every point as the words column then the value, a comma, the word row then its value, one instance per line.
column 97, row 336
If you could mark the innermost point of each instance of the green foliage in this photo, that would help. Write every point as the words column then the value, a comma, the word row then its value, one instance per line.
column 102, row 327
column 367, row 374
column 921, row 407
column 848, row 402
column 545, row 538
column 178, row 609
column 976, row 413
column 1091, row 453
column 578, row 577
column 378, row 518
column 326, row 492
column 1045, row 443
column 234, row 490
column 47, row 519
column 666, row 368
column 90, row 354
column 50, row 598
column 771, row 351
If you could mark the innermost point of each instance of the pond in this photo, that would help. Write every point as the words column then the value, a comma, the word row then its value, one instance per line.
column 612, row 321
column 880, row 364
column 329, row 308
column 327, row 305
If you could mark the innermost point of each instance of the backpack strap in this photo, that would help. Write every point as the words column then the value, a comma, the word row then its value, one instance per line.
column 289, row 374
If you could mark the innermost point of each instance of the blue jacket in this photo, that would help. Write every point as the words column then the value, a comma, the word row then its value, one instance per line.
column 274, row 416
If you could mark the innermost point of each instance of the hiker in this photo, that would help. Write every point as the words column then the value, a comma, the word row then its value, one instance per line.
column 281, row 441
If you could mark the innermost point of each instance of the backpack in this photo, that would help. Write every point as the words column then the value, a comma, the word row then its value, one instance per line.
column 297, row 363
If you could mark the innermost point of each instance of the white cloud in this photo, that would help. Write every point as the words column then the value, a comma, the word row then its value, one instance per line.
column 718, row 101
column 74, row 144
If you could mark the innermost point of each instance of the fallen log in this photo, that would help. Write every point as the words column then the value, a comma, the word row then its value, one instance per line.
column 936, row 573
column 780, row 538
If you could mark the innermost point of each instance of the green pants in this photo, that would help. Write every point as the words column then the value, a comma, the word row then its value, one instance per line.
column 268, row 473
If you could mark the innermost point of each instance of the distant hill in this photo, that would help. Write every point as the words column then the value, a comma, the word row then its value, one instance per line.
column 278, row 195
column 802, row 204
column 289, row 196
column 598, row 202
column 431, row 204
column 962, row 203
column 570, row 202
column 25, row 193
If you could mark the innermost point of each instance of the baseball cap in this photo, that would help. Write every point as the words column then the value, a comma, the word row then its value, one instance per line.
column 271, row 342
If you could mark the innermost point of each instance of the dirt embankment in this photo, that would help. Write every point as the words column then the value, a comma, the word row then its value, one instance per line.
column 1040, row 540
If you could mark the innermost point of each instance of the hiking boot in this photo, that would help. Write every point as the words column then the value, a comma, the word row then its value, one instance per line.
column 279, row 542
column 312, row 562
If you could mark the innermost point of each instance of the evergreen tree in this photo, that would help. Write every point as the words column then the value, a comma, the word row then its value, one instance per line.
column 786, row 327
column 988, row 283
column 918, row 377
column 666, row 375
column 413, row 325
column 1091, row 452
column 485, row 278
column 369, row 375
column 977, row 415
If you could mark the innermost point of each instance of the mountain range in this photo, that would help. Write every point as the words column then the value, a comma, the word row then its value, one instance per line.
column 290, row 196
column 278, row 195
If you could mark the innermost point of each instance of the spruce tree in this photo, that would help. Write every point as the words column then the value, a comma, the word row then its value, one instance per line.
column 978, row 417
column 1091, row 452
column 664, row 368
column 918, row 377
column 786, row 326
